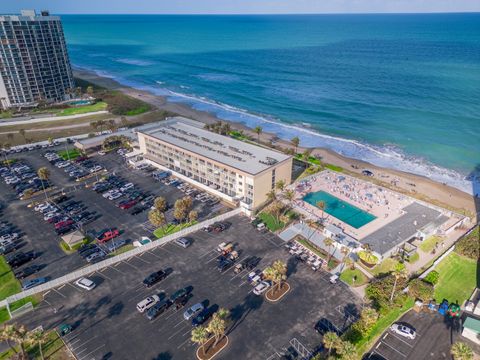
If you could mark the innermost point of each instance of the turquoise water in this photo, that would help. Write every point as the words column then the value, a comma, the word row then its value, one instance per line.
column 79, row 102
column 400, row 91
column 340, row 209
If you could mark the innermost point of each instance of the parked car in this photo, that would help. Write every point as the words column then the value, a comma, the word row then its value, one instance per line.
column 113, row 245
column 96, row 256
column 179, row 293
column 85, row 283
column 154, row 278
column 193, row 311
column 28, row 284
column 18, row 259
column 183, row 242
column 158, row 309
column 403, row 330
column 261, row 288
column 147, row 303
column 107, row 234
column 203, row 316
column 26, row 272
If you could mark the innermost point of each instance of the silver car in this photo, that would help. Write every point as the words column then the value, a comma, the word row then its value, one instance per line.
column 183, row 242
column 193, row 311
column 403, row 330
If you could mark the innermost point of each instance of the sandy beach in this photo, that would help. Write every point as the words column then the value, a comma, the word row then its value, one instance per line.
column 410, row 184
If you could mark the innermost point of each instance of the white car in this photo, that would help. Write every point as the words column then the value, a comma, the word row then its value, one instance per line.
column 12, row 180
column 403, row 330
column 42, row 206
column 85, row 283
column 63, row 164
column 9, row 237
column 96, row 169
column 126, row 187
column 114, row 196
column 109, row 192
column 261, row 288
column 101, row 153
column 147, row 303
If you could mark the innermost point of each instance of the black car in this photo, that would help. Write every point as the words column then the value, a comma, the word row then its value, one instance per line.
column 224, row 265
column 30, row 270
column 8, row 248
column 153, row 278
column 86, row 247
column 65, row 230
column 203, row 316
column 158, row 309
column 179, row 294
column 18, row 259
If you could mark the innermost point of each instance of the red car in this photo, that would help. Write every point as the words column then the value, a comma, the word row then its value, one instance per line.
column 63, row 223
column 108, row 235
column 128, row 204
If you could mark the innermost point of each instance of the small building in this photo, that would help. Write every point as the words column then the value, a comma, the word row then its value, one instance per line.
column 74, row 238
column 471, row 329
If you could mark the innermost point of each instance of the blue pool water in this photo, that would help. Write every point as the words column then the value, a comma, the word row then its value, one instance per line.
column 340, row 209
column 79, row 102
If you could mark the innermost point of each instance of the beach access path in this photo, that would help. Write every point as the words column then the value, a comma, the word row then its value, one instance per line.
column 34, row 120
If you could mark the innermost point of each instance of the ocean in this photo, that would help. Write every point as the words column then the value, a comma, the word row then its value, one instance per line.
column 400, row 91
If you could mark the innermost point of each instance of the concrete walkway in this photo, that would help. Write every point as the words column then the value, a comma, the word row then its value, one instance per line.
column 24, row 121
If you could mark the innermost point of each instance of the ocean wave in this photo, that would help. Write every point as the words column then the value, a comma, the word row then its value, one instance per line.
column 388, row 156
column 217, row 77
column 136, row 62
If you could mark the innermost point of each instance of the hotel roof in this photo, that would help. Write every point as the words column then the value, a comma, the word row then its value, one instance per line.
column 190, row 135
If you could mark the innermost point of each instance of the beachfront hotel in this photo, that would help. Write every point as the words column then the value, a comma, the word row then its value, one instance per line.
column 34, row 63
column 237, row 171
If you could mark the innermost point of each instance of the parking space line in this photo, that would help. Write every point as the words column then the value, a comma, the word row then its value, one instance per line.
column 391, row 347
column 175, row 333
column 115, row 268
column 139, row 258
column 76, row 289
column 185, row 343
column 91, row 352
column 396, row 337
column 127, row 263
column 59, row 293
column 201, row 256
column 151, row 252
column 102, row 274
column 82, row 344
column 378, row 353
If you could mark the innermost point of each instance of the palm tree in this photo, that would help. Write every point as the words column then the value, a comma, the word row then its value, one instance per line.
column 39, row 337
column 306, row 154
column 43, row 173
column 90, row 90
column 200, row 336
column 160, row 203
column 218, row 325
column 192, row 216
column 345, row 252
column 156, row 217
column 111, row 125
column 289, row 195
column 321, row 205
column 6, row 147
column 461, row 351
column 330, row 341
column 50, row 140
column 7, row 335
column 347, row 350
column 10, row 136
column 258, row 130
column 271, row 195
column 276, row 273
column 94, row 125
column 329, row 244
column 349, row 262
column 280, row 185
column 295, row 142
column 398, row 272
column 20, row 336
column 123, row 121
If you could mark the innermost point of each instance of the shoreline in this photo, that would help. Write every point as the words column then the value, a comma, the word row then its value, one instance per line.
column 407, row 183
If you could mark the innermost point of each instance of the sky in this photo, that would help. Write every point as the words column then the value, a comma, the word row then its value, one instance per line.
column 238, row 6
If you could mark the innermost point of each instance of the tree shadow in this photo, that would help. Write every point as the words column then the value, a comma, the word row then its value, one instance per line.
column 163, row 356
column 292, row 265
column 239, row 312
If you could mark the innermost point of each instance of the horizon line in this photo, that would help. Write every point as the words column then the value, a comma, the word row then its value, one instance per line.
column 282, row 14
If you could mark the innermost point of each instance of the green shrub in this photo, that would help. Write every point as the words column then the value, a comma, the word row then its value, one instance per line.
column 420, row 289
column 367, row 257
column 469, row 245
column 380, row 289
column 432, row 277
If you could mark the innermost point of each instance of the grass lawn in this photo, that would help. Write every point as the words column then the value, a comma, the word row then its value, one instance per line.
column 382, row 324
column 9, row 284
column 53, row 349
column 271, row 222
column 348, row 275
column 171, row 229
column 428, row 244
column 458, row 278
column 122, row 250
column 66, row 249
column 16, row 305
column 101, row 105
column 384, row 267
column 71, row 154
column 414, row 258
column 334, row 167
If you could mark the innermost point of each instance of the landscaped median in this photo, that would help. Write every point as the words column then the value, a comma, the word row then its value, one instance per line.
column 170, row 229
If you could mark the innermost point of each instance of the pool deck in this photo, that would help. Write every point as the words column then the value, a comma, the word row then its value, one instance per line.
column 383, row 203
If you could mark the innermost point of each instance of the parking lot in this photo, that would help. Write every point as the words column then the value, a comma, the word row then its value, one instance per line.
column 40, row 237
column 107, row 324
column 435, row 335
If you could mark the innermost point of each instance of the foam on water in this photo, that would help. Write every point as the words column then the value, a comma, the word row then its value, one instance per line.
column 387, row 156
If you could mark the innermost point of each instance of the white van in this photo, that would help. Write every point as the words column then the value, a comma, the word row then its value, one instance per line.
column 147, row 303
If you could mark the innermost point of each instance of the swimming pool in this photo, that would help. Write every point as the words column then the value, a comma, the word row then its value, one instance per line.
column 79, row 102
column 340, row 209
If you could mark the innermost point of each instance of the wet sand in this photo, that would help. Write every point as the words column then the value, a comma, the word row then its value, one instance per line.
column 410, row 184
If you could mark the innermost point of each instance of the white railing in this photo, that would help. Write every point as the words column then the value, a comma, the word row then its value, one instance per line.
column 116, row 259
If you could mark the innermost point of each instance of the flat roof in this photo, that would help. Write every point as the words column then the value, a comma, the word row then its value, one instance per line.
column 416, row 217
column 190, row 135
column 472, row 324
